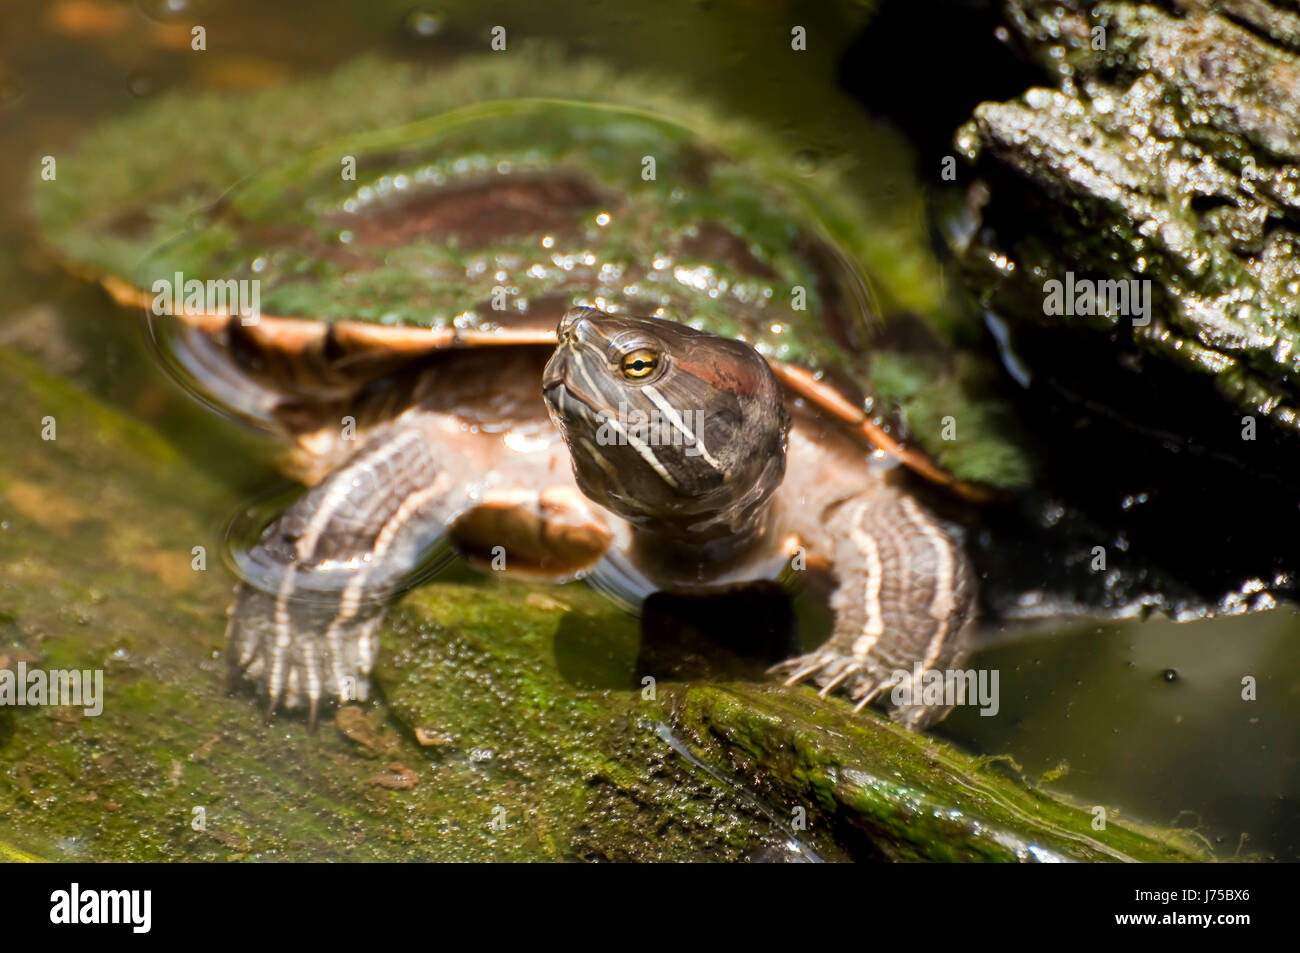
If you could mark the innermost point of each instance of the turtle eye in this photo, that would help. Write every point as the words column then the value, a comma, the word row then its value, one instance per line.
column 639, row 364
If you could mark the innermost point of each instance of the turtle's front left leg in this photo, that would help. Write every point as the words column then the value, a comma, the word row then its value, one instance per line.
column 905, row 596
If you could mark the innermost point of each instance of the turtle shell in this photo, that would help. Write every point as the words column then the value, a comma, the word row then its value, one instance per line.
column 482, row 225
column 382, row 218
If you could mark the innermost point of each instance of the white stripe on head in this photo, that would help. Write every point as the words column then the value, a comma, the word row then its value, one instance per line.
column 675, row 419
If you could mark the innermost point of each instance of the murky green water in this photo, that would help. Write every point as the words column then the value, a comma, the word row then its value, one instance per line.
column 1148, row 718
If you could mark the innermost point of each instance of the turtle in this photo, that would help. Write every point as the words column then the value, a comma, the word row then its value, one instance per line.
column 578, row 340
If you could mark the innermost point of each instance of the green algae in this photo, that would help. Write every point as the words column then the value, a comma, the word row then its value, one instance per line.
column 934, row 408
column 626, row 252
column 258, row 193
column 911, row 797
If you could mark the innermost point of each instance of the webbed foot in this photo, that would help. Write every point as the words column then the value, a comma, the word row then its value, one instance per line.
column 905, row 597
column 305, row 623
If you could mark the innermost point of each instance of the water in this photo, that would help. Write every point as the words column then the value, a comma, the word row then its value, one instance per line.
column 1149, row 717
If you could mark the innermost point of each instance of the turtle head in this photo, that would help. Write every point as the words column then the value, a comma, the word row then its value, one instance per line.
column 673, row 429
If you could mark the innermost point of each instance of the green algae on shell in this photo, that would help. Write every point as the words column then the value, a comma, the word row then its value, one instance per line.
column 729, row 233
column 504, row 214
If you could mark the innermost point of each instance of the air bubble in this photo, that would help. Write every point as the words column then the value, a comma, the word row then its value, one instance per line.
column 423, row 24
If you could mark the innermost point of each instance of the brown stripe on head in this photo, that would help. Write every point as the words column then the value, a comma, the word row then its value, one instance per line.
column 733, row 369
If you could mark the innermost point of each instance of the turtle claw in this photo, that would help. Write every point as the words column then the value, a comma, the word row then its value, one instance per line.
column 834, row 671
column 905, row 597
column 319, row 661
column 799, row 666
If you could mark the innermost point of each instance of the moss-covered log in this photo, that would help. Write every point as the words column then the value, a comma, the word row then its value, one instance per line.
column 515, row 723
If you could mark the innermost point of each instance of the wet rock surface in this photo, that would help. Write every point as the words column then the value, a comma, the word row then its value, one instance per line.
column 1129, row 227
column 1169, row 156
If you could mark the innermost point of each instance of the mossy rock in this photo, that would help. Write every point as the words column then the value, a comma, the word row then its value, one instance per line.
column 1164, row 160
column 514, row 722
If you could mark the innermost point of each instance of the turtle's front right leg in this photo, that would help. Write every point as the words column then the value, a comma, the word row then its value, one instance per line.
column 303, row 625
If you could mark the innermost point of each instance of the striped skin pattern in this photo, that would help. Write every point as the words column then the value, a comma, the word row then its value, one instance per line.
column 905, row 593
column 303, row 623
column 705, row 488
column 308, row 630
